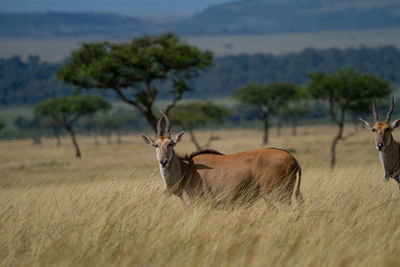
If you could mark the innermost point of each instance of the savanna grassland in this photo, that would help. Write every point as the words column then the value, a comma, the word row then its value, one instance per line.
column 109, row 208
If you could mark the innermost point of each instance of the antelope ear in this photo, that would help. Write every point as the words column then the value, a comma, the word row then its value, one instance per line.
column 395, row 124
column 148, row 140
column 366, row 124
column 178, row 137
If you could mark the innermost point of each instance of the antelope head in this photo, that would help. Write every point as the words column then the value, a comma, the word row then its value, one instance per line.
column 382, row 130
column 163, row 143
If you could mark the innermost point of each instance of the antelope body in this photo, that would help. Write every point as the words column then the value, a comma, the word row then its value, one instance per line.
column 388, row 148
column 248, row 175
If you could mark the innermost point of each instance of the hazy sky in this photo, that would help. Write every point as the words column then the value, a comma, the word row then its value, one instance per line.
column 128, row 7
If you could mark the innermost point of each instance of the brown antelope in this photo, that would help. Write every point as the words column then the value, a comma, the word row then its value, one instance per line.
column 246, row 175
column 388, row 148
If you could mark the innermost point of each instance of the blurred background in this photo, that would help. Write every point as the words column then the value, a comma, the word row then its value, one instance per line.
column 252, row 41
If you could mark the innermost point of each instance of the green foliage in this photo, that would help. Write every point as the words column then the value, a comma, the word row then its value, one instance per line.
column 122, row 65
column 347, row 89
column 198, row 113
column 295, row 110
column 268, row 98
column 137, row 66
column 31, row 82
column 25, row 123
column 48, row 123
column 193, row 114
column 67, row 110
column 29, row 126
column 113, row 121
column 25, row 82
column 231, row 72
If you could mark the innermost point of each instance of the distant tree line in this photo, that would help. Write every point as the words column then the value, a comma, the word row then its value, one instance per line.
column 137, row 70
column 106, row 124
column 32, row 81
column 231, row 72
column 28, row 82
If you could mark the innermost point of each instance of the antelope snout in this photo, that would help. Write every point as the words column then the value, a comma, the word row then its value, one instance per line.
column 379, row 146
column 163, row 162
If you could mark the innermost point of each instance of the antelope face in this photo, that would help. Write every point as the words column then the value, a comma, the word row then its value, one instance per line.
column 164, row 151
column 382, row 135
column 164, row 148
column 382, row 130
column 164, row 144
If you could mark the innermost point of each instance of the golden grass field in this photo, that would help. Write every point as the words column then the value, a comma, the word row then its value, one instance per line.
column 109, row 209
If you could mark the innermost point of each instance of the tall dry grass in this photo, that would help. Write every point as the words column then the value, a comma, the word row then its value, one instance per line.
column 108, row 208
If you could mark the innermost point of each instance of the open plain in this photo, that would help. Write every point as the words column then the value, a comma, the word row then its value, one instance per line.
column 53, row 49
column 109, row 208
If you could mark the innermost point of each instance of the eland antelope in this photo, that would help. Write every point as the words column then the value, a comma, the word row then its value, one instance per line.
column 266, row 173
column 388, row 148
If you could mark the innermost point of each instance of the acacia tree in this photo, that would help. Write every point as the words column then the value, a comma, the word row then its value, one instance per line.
column 294, row 112
column 343, row 91
column 293, row 109
column 267, row 98
column 67, row 110
column 30, row 125
column 54, row 127
column 194, row 114
column 112, row 122
column 135, row 69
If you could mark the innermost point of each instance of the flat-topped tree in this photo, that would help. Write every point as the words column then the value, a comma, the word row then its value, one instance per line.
column 293, row 112
column 267, row 98
column 54, row 127
column 113, row 123
column 293, row 108
column 135, row 69
column 67, row 110
column 345, row 90
column 194, row 114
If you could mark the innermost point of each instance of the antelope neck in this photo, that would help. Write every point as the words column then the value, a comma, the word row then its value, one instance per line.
column 172, row 174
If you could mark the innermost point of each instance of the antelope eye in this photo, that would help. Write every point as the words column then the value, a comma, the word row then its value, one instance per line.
column 170, row 144
column 155, row 145
column 387, row 129
column 373, row 130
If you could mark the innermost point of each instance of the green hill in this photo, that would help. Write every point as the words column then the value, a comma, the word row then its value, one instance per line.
column 69, row 24
column 241, row 17
column 289, row 16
